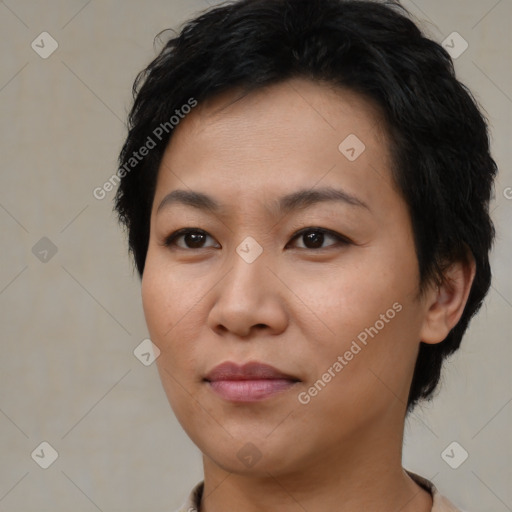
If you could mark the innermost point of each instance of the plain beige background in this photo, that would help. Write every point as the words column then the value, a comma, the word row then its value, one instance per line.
column 70, row 321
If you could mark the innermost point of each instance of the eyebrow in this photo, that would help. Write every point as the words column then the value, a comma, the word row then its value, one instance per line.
column 298, row 200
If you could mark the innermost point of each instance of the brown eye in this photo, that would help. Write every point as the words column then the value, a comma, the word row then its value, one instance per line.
column 314, row 238
column 191, row 239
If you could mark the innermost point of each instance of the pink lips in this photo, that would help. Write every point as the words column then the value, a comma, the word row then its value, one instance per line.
column 248, row 383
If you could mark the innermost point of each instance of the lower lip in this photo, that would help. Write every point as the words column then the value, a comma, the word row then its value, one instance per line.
column 250, row 390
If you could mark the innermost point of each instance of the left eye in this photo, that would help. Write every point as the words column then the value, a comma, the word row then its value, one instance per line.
column 314, row 238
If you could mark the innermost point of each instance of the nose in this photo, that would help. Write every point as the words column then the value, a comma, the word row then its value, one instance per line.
column 249, row 298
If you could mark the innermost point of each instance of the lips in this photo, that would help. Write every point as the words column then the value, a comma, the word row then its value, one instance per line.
column 250, row 382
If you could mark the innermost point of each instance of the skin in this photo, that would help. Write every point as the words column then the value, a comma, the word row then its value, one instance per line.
column 296, row 307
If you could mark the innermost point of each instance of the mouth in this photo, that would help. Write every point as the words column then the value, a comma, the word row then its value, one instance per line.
column 251, row 382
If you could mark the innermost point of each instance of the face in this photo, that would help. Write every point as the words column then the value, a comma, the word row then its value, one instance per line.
column 302, row 258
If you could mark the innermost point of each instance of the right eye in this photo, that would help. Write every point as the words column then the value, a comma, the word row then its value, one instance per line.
column 192, row 238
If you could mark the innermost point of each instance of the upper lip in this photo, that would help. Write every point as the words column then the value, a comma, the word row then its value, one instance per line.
column 253, row 370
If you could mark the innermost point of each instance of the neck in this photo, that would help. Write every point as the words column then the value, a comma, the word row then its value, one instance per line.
column 364, row 474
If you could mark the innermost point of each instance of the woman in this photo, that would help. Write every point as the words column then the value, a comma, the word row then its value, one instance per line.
column 305, row 186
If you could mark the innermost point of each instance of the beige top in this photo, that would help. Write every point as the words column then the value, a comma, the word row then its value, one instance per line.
column 439, row 502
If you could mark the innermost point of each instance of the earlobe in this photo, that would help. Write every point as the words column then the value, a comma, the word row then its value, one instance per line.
column 445, row 303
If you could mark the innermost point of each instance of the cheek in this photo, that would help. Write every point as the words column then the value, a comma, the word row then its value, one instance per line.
column 166, row 303
column 167, row 297
column 156, row 302
column 366, row 313
column 171, row 300
column 338, row 301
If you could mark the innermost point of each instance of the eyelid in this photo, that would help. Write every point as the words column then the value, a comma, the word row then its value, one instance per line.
column 170, row 240
column 341, row 239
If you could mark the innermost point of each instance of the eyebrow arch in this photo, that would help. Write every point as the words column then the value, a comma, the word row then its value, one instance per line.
column 298, row 200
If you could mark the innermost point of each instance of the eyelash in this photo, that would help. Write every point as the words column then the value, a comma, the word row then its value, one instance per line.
column 341, row 240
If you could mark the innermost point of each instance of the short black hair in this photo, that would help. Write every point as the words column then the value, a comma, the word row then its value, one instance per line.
column 439, row 136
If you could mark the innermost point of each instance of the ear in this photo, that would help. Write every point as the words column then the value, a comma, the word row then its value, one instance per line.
column 445, row 304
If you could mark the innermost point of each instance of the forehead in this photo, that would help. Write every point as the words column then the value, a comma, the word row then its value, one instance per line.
column 295, row 134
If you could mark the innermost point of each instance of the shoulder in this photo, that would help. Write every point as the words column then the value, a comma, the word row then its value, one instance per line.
column 439, row 502
column 191, row 504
